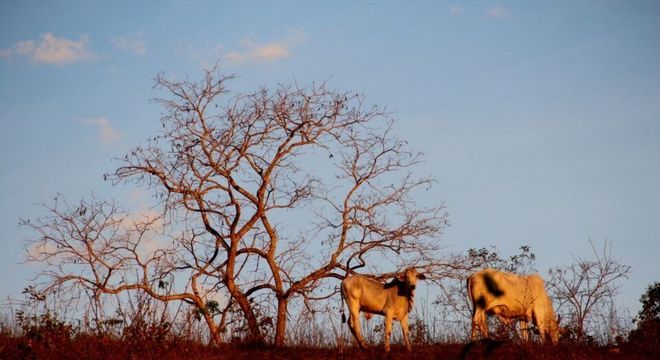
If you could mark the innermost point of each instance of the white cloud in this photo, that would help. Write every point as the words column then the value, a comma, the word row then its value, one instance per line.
column 107, row 133
column 133, row 44
column 256, row 52
column 51, row 50
column 152, row 241
column 498, row 12
column 143, row 215
column 250, row 50
column 455, row 10
column 41, row 250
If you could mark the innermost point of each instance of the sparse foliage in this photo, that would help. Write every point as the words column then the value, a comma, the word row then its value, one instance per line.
column 586, row 288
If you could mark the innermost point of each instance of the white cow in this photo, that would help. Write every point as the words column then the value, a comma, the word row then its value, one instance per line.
column 511, row 297
column 394, row 300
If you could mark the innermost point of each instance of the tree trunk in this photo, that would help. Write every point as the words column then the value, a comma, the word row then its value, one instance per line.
column 280, row 327
column 239, row 296
column 246, row 308
column 580, row 331
column 213, row 329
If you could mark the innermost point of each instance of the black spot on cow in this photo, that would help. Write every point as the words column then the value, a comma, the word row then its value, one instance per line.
column 481, row 302
column 393, row 283
column 403, row 288
column 492, row 286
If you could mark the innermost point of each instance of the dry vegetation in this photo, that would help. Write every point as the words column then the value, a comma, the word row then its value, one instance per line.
column 58, row 346
column 263, row 203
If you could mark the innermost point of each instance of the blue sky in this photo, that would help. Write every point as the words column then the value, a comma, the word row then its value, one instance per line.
column 541, row 120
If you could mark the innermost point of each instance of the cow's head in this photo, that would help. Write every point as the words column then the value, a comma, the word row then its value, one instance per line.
column 409, row 278
column 406, row 282
column 560, row 331
column 553, row 330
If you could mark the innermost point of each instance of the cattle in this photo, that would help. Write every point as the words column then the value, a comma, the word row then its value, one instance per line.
column 511, row 297
column 394, row 300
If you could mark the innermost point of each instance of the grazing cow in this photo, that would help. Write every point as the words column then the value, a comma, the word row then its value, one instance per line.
column 511, row 297
column 394, row 300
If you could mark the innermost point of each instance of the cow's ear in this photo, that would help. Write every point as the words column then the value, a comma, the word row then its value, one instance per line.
column 421, row 276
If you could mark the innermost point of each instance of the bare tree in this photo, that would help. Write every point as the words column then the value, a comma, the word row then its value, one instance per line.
column 97, row 248
column 267, row 195
column 587, row 286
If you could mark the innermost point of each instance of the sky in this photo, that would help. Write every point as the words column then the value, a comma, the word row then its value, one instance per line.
column 540, row 120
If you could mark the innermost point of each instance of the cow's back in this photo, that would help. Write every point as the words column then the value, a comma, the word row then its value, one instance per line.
column 491, row 288
column 368, row 293
column 371, row 295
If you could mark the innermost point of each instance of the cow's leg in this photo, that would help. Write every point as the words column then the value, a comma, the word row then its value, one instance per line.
column 388, row 330
column 404, row 330
column 473, row 327
column 354, row 325
column 483, row 324
column 540, row 324
column 543, row 332
column 479, row 322
column 473, row 332
column 524, row 335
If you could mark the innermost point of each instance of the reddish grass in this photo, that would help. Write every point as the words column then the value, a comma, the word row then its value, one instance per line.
column 95, row 347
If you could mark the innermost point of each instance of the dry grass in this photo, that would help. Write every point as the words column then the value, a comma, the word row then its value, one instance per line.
column 45, row 337
column 47, row 346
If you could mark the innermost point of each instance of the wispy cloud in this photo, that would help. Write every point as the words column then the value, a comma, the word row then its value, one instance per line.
column 256, row 52
column 456, row 10
column 42, row 250
column 50, row 50
column 134, row 44
column 153, row 240
column 250, row 51
column 498, row 12
column 106, row 132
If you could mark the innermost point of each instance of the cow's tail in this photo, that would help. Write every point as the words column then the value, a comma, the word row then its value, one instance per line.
column 469, row 291
column 343, row 315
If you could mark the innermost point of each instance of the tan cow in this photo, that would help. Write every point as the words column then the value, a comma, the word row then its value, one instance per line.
column 394, row 300
column 511, row 297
